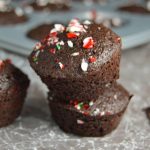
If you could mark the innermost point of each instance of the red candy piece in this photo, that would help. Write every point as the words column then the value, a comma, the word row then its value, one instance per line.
column 75, row 102
column 85, row 106
column 71, row 35
column 88, row 42
column 92, row 59
column 53, row 51
column 53, row 34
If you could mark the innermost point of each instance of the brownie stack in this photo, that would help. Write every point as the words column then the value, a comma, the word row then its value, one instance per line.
column 80, row 65
column 13, row 88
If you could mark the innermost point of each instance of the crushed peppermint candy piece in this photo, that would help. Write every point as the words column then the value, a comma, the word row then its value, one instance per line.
column 80, row 121
column 85, row 26
column 92, row 59
column 61, row 43
column 71, row 35
column 59, row 27
column 37, row 46
column 84, row 65
column 88, row 42
column 70, row 44
column 87, row 22
column 75, row 26
column 37, row 54
column 115, row 96
column 96, row 111
column 61, row 65
column 75, row 54
column 91, row 103
column 74, row 22
column 52, row 50
column 102, row 113
column 53, row 32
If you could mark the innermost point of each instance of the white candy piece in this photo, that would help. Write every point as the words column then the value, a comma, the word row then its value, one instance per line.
column 61, row 43
column 70, row 44
column 84, row 65
column 53, row 30
column 96, row 111
column 61, row 65
column 37, row 53
column 74, row 22
column 75, row 28
column 102, row 113
column 91, row 103
column 80, row 121
column 87, row 22
column 38, row 46
column 59, row 27
column 115, row 96
column 75, row 54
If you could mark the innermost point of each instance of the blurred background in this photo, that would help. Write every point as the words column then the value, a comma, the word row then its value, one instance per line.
column 24, row 22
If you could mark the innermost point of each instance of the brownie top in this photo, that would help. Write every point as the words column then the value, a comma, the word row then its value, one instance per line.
column 76, row 50
column 114, row 99
column 10, row 76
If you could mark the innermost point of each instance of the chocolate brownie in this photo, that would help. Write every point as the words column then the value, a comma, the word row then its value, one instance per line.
column 135, row 8
column 95, row 118
column 13, row 88
column 10, row 15
column 84, row 53
column 50, row 5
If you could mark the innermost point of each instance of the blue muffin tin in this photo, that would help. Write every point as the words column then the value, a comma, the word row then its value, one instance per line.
column 134, row 32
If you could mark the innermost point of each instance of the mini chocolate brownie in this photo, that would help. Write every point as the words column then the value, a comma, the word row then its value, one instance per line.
column 135, row 8
column 10, row 15
column 79, row 53
column 13, row 88
column 95, row 118
column 51, row 5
